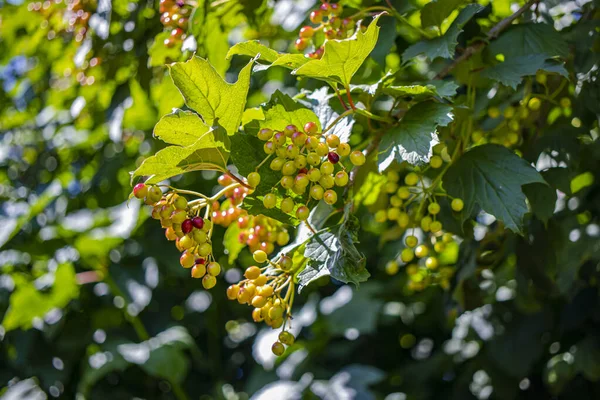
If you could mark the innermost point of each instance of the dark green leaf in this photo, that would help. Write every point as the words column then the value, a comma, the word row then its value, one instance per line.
column 435, row 12
column 512, row 71
column 528, row 39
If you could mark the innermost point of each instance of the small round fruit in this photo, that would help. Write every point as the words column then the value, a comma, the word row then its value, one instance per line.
column 322, row 149
column 411, row 241
column 327, row 181
column 209, row 281
column 333, row 141
column 232, row 292
column 357, row 158
column 407, row 255
column 286, row 338
column 457, row 204
column 140, row 190
column 187, row 226
column 204, row 249
column 433, row 208
column 258, row 301
column 436, row 162
column 252, row 272
column 311, row 128
column 301, row 44
column 422, row 251
column 265, row 134
column 278, row 348
column 287, row 205
column 334, row 158
column 316, row 192
column 326, row 168
column 306, row 32
column 343, row 149
column 265, row 291
column 198, row 222
column 447, row 238
column 270, row 200
column 392, row 267
column 314, row 175
column 154, row 194
column 534, row 104
column 493, row 112
column 411, row 179
column 341, row 178
column 381, row 216
column 253, row 179
column 403, row 192
column 316, row 17
column 302, row 213
column 432, row 263
column 187, row 260
column 289, row 130
column 259, row 256
column 180, row 203
column 286, row 263
column 213, row 268
column 435, row 227
column 330, row 197
column 198, row 271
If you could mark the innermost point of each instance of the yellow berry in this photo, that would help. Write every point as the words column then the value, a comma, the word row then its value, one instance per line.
column 259, row 256
column 457, row 204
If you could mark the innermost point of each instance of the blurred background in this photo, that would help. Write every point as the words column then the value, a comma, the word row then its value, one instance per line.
column 93, row 302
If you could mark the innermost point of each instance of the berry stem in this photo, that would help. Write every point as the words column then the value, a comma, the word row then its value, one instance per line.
column 190, row 192
column 238, row 180
column 223, row 191
column 263, row 161
column 340, row 98
column 350, row 98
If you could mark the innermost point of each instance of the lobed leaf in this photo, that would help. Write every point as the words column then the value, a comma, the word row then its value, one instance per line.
column 182, row 128
column 512, row 71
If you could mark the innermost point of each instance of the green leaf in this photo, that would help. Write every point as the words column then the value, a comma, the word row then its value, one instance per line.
column 435, row 12
column 205, row 91
column 28, row 303
column 542, row 199
column 512, row 71
column 528, row 39
column 342, row 58
column 417, row 91
column 232, row 243
column 443, row 46
column 182, row 128
column 254, row 48
column 492, row 177
column 161, row 54
column 210, row 152
column 581, row 181
column 385, row 41
column 332, row 251
column 446, row 89
column 281, row 111
column 412, row 140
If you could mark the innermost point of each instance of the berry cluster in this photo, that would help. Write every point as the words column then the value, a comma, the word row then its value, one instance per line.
column 73, row 19
column 174, row 17
column 257, row 232
column 183, row 224
column 270, row 292
column 327, row 18
column 413, row 205
column 309, row 162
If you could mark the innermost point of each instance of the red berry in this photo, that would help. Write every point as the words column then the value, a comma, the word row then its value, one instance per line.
column 200, row 261
column 303, row 171
column 325, row 7
column 306, row 32
column 187, row 226
column 334, row 158
column 311, row 128
column 198, row 222
column 177, row 32
column 301, row 44
column 140, row 190
column 316, row 17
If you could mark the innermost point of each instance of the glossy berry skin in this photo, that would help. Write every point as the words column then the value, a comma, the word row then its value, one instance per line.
column 209, row 281
column 154, row 194
column 140, row 190
column 421, row 251
column 301, row 44
column 259, row 256
column 253, row 179
column 333, row 141
column 198, row 222
column 302, row 213
column 270, row 200
column 457, row 205
column 286, row 338
column 357, row 158
column 334, row 158
column 198, row 271
column 411, row 241
column 287, row 205
column 316, row 17
column 187, row 226
column 311, row 128
column 278, row 348
column 433, row 208
column 341, row 178
column 306, row 32
column 330, row 197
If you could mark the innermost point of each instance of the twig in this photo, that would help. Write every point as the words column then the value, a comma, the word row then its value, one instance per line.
column 492, row 34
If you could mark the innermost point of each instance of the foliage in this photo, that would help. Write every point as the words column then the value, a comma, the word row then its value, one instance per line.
column 406, row 193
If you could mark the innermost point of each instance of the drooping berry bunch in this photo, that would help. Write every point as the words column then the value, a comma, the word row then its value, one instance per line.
column 72, row 19
column 184, row 225
column 309, row 161
column 413, row 206
column 270, row 292
column 257, row 232
column 174, row 17
column 327, row 18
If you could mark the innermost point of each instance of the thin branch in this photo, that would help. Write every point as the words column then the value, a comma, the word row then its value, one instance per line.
column 492, row 34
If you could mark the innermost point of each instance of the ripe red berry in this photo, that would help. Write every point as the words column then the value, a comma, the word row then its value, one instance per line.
column 200, row 261
column 311, row 128
column 198, row 222
column 187, row 226
column 334, row 158
column 140, row 190
column 306, row 32
column 303, row 171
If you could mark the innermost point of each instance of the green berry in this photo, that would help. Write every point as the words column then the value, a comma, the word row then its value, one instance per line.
column 287, row 205
column 278, row 348
column 433, row 208
column 316, row 192
column 436, row 162
column 265, row 134
column 302, row 213
column 407, row 255
column 411, row 179
column 270, row 200
column 457, row 205
column 357, row 158
column 341, row 178
column 411, row 241
column 422, row 251
column 330, row 197
column 253, row 179
column 286, row 338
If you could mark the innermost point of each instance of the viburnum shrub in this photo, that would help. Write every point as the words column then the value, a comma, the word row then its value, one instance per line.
column 305, row 177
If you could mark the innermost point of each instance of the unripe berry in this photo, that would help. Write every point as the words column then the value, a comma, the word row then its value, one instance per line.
column 286, row 338
column 301, row 180
column 316, row 192
column 300, row 162
column 187, row 242
column 170, row 234
column 326, row 168
column 391, row 268
column 403, row 220
column 380, row 216
column 260, row 281
column 390, row 187
column 343, row 149
column 154, row 194
column 357, row 158
column 302, row 213
column 279, row 139
column 426, row 223
column 140, row 190
column 411, row 241
column 330, row 34
column 341, row 178
column 232, row 292
column 316, row 17
column 322, row 149
column 314, row 175
column 407, row 255
column 204, row 249
column 178, row 216
column 265, row 134
column 435, row 227
column 253, row 179
column 493, row 112
column 276, row 312
column 199, row 236
column 252, row 272
column 336, row 8
column 213, row 268
column 422, row 251
column 313, row 159
column 333, row 141
column 436, row 162
column 432, row 263
column 287, row 205
column 198, row 271
column 439, row 247
column 187, row 226
column 330, row 197
column 187, row 260
column 289, row 130
column 269, row 148
column 447, row 238
column 403, row 192
column 311, row 128
column 257, row 315
column 411, row 179
column 265, row 291
column 457, row 204
column 433, row 208
column 299, row 138
column 327, row 181
column 283, row 238
column 306, row 32
column 209, row 281
column 287, row 182
column 258, row 301
column 334, row 158
column 301, row 44
column 393, row 213
column 270, row 200
column 278, row 349
column 288, row 168
column 395, row 201
column 312, row 142
column 286, row 263
column 259, row 256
